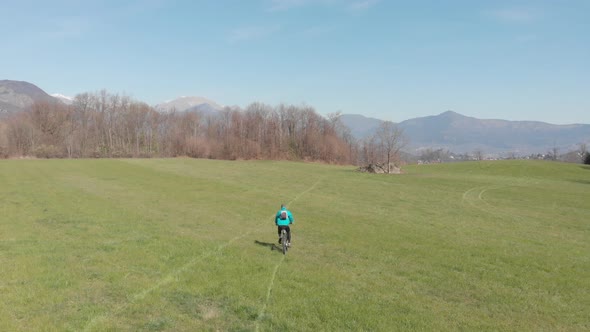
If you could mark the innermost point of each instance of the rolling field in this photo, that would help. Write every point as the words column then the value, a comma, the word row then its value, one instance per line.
column 189, row 245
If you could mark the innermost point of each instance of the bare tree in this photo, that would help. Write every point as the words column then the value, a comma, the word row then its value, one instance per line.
column 582, row 151
column 369, row 150
column 391, row 140
column 82, row 116
column 478, row 154
column 350, row 147
column 555, row 153
column 106, row 125
column 434, row 156
column 3, row 140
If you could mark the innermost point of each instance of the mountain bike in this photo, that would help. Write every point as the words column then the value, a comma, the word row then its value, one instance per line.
column 284, row 239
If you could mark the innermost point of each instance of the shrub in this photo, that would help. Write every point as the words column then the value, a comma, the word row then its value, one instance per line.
column 48, row 151
column 587, row 158
column 3, row 152
column 119, row 153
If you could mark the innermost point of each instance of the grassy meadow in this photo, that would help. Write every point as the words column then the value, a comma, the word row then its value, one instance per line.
column 189, row 245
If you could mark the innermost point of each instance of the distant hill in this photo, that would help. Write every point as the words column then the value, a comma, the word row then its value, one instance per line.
column 183, row 104
column 360, row 125
column 463, row 134
column 16, row 96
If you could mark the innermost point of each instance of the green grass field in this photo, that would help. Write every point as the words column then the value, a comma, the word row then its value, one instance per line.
column 187, row 245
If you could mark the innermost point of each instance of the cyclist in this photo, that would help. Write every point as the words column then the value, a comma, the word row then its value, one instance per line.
column 283, row 219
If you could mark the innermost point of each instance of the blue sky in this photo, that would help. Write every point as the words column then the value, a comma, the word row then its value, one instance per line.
column 393, row 60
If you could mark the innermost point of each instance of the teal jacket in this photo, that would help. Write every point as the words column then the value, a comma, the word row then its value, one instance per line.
column 286, row 222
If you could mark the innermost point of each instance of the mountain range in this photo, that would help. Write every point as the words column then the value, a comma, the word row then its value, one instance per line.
column 462, row 134
column 448, row 130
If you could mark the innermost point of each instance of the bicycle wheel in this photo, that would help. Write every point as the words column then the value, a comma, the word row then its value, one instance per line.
column 284, row 241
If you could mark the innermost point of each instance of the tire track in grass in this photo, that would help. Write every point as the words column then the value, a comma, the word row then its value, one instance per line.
column 279, row 263
column 268, row 292
column 475, row 197
column 172, row 276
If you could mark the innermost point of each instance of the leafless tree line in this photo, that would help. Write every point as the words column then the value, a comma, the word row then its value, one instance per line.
column 99, row 125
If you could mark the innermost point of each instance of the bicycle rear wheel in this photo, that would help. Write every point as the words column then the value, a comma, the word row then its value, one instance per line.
column 284, row 241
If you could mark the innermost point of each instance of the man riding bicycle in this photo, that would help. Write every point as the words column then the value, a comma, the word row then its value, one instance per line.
column 283, row 219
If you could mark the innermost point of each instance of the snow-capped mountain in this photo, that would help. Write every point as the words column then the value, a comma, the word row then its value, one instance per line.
column 64, row 99
column 188, row 103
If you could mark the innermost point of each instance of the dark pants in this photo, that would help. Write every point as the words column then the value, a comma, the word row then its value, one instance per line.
column 288, row 229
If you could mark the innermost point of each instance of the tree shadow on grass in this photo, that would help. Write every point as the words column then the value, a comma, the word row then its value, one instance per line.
column 585, row 167
column 272, row 246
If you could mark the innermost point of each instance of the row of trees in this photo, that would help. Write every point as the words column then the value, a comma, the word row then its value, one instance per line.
column 579, row 155
column 100, row 125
